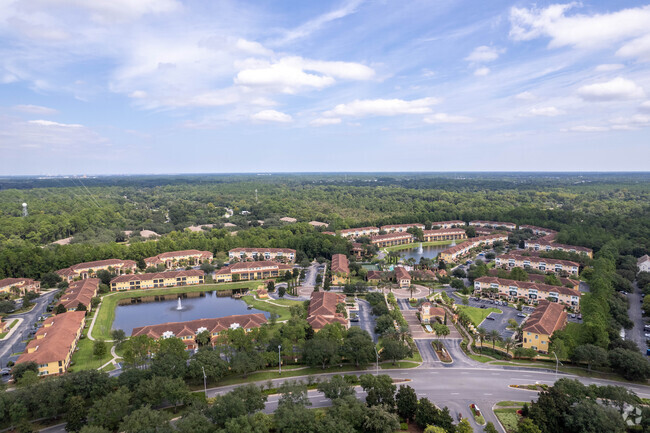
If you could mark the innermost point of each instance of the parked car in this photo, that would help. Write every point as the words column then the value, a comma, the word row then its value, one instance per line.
column 490, row 318
column 5, row 371
column 647, row 335
column 521, row 315
column 354, row 318
column 483, row 306
column 573, row 316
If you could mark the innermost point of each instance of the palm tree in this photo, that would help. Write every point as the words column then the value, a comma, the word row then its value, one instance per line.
column 482, row 335
column 508, row 343
column 494, row 336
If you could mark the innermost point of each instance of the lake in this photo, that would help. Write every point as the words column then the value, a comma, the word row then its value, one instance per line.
column 428, row 251
column 162, row 309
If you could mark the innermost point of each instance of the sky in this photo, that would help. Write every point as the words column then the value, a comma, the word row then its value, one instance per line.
column 172, row 86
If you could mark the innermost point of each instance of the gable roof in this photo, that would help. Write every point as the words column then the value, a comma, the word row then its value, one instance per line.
column 157, row 275
column 547, row 318
column 322, row 309
column 74, row 269
column 214, row 325
column 401, row 273
column 81, row 291
column 55, row 339
column 340, row 264
column 529, row 285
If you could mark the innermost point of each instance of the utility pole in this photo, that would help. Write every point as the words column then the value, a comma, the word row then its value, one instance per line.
column 279, row 360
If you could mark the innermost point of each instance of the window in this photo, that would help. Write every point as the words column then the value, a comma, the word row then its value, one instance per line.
column 536, row 337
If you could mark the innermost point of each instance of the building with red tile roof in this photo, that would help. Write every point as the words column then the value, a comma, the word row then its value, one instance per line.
column 529, row 292
column 444, row 235
column 89, row 269
column 542, row 245
column 187, row 331
column 448, row 224
column 175, row 259
column 547, row 318
column 401, row 228
column 19, row 285
column 245, row 271
column 279, row 254
column 80, row 292
column 402, row 277
column 390, row 239
column 156, row 280
column 340, row 269
column 322, row 310
column 54, row 343
column 360, row 231
column 538, row 263
column 493, row 224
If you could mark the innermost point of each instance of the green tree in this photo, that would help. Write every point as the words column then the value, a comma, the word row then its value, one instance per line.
column 358, row 347
column 81, row 307
column 60, row 309
column 93, row 429
column 146, row 420
column 380, row 390
column 434, row 429
column 320, row 352
column 20, row 369
column 246, row 361
column 108, row 411
column 99, row 349
column 282, row 291
column 464, row 426
column 494, row 337
column 490, row 428
column 591, row 355
column 426, row 413
column 208, row 360
column 441, row 330
column 171, row 358
column 75, row 416
column 518, row 274
column 50, row 280
column 194, row 422
column 203, row 338
column 407, row 402
column 630, row 364
column 527, row 425
column 160, row 389
column 28, row 379
column 104, row 276
column 379, row 419
column 119, row 336
column 394, row 350
column 336, row 387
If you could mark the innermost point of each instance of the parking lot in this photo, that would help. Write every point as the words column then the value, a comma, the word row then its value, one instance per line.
column 500, row 321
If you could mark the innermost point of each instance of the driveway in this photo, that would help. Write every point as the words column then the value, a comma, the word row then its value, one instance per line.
column 366, row 319
column 636, row 334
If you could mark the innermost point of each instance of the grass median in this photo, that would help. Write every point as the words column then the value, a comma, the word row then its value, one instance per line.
column 106, row 313
column 478, row 315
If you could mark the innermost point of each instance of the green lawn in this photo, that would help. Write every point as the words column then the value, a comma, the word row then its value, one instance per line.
column 84, row 359
column 106, row 313
column 282, row 312
column 398, row 364
column 481, row 358
column 11, row 325
column 507, row 403
column 477, row 315
column 509, row 418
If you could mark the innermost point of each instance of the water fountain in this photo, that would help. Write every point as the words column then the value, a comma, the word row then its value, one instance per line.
column 179, row 306
column 420, row 248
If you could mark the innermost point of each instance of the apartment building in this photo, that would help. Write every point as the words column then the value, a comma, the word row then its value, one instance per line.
column 493, row 224
column 187, row 331
column 54, row 343
column 453, row 253
column 538, row 278
column 245, row 271
column 444, row 235
column 19, row 285
column 401, row 228
column 390, row 239
column 174, row 259
column 448, row 224
column 361, row 231
column 402, row 277
column 157, row 280
column 529, row 292
column 547, row 318
column 89, row 269
column 537, row 231
column 358, row 250
column 540, row 245
column 277, row 254
column 340, row 269
column 80, row 292
column 541, row 264
column 322, row 310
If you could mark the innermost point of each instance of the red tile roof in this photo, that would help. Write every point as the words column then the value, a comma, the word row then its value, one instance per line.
column 81, row 291
column 340, row 264
column 157, row 275
column 401, row 274
column 75, row 269
column 189, row 328
column 173, row 254
column 249, row 266
column 262, row 250
column 6, row 282
column 55, row 339
column 529, row 285
column 452, row 231
column 544, row 243
column 390, row 236
column 406, row 226
column 359, row 229
column 322, row 309
column 538, row 260
column 547, row 318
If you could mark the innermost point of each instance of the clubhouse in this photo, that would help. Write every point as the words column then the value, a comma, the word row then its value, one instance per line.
column 540, row 245
column 157, row 280
column 322, row 310
column 19, row 285
column 529, row 292
column 54, row 343
column 541, row 264
column 187, row 331
column 88, row 269
column 278, row 254
column 340, row 269
column 80, row 292
column 175, row 259
column 402, row 277
column 245, row 271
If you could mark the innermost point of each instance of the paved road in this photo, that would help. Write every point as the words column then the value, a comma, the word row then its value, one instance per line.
column 15, row 343
column 366, row 319
column 636, row 334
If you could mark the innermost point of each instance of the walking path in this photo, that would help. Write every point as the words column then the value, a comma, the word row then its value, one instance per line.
column 13, row 329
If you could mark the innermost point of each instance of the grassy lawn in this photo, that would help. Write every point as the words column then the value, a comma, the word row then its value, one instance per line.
column 11, row 325
column 477, row 315
column 273, row 374
column 106, row 313
column 507, row 403
column 481, row 358
column 84, row 359
column 282, row 312
column 398, row 364
column 509, row 418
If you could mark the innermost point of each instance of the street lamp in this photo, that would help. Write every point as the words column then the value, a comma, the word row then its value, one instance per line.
column 557, row 362
column 205, row 386
column 377, row 365
column 279, row 360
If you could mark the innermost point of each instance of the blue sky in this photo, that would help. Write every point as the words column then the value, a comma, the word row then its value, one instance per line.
column 171, row 86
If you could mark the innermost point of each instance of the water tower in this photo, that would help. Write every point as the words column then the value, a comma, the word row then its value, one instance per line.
column 24, row 210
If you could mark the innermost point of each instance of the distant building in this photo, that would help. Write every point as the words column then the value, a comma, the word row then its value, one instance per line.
column 454, row 253
column 288, row 220
column 547, row 318
column 322, row 310
column 401, row 228
column 245, row 271
column 391, row 239
column 493, row 224
column 358, row 232
column 262, row 293
column 643, row 264
column 157, row 280
column 539, row 245
column 402, row 277
column 448, row 224
column 541, row 264
column 318, row 224
column 80, row 292
column 19, row 285
column 54, row 343
column 428, row 313
column 529, row 292
column 538, row 231
column 340, row 269
column 278, row 254
column 89, row 269
column 187, row 331
column 444, row 235
column 174, row 259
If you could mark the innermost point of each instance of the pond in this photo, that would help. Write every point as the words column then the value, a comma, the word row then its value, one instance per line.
column 153, row 310
column 428, row 251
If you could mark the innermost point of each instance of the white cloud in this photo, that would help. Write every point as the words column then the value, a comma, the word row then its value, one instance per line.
column 484, row 54
column 583, row 31
column 482, row 72
column 382, row 107
column 636, row 120
column 525, row 96
column 645, row 107
column 54, row 124
column 272, row 116
column 545, row 111
column 617, row 89
column 324, row 121
column 609, row 67
column 638, row 48
column 252, row 47
column 35, row 109
column 290, row 74
column 587, row 128
column 138, row 94
column 115, row 10
column 446, row 118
